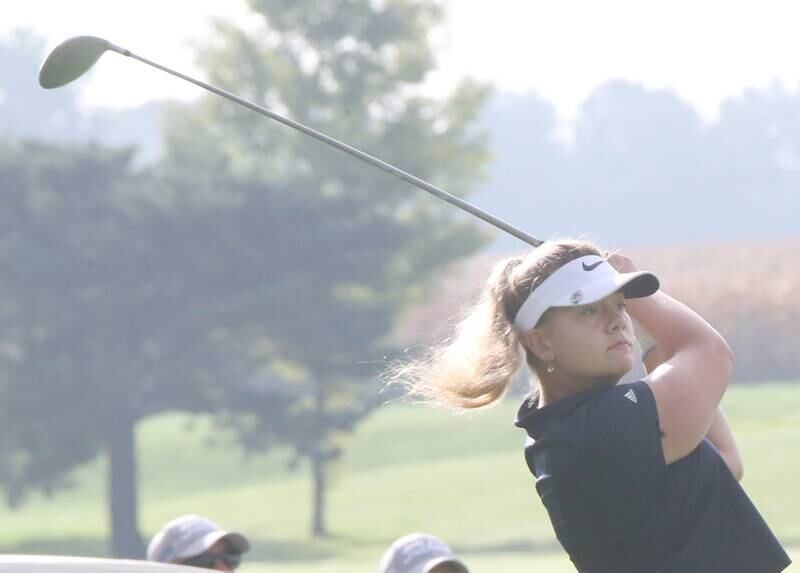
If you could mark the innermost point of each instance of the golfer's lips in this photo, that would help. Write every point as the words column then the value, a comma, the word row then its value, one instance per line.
column 620, row 344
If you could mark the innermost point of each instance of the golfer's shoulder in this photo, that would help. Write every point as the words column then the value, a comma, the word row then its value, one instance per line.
column 621, row 405
column 622, row 420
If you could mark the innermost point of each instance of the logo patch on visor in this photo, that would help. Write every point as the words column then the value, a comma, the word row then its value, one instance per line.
column 576, row 297
column 591, row 267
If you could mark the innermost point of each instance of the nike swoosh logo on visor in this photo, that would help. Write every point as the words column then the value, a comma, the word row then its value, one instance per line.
column 592, row 266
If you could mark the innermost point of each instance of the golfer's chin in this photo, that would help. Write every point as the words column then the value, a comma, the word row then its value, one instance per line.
column 618, row 370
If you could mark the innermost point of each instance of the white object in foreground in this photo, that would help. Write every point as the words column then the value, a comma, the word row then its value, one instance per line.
column 59, row 564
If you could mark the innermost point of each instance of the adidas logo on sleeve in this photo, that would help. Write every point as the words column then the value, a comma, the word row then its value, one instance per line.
column 631, row 395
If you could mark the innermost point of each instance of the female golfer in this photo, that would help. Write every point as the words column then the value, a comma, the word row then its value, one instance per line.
column 636, row 478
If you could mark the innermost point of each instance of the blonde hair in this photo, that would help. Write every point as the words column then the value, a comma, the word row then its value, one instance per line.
column 475, row 366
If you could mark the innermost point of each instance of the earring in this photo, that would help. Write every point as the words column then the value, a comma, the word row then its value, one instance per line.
column 551, row 368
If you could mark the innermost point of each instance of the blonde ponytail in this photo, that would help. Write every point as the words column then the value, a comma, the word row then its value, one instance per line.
column 474, row 368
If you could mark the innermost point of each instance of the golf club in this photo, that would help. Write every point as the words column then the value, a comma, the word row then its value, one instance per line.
column 75, row 56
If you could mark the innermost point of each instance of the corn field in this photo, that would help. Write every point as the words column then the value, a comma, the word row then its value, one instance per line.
column 750, row 292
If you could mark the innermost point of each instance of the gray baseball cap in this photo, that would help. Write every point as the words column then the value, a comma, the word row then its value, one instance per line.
column 190, row 535
column 418, row 553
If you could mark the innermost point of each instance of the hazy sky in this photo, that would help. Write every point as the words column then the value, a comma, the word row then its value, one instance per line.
column 706, row 51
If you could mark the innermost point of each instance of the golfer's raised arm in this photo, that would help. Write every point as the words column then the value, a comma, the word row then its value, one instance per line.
column 719, row 432
column 697, row 366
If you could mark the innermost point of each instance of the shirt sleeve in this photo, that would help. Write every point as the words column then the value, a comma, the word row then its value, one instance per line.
column 623, row 451
column 622, row 423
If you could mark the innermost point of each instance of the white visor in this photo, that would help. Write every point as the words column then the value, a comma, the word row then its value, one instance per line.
column 582, row 281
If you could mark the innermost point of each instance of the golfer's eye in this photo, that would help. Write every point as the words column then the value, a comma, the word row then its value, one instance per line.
column 588, row 310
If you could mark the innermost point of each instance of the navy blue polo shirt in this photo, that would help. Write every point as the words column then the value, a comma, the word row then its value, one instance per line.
column 617, row 507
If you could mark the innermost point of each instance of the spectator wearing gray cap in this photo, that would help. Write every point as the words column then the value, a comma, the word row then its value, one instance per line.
column 420, row 553
column 199, row 542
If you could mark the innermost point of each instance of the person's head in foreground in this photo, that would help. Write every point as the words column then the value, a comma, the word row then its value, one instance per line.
column 420, row 553
column 199, row 542
column 635, row 477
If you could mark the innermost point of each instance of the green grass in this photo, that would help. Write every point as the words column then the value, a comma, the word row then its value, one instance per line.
column 409, row 468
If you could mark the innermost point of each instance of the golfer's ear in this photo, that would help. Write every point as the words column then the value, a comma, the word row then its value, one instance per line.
column 538, row 343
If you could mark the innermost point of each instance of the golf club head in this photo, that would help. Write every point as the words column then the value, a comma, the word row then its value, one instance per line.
column 70, row 60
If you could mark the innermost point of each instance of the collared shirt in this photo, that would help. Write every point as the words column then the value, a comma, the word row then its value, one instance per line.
column 617, row 507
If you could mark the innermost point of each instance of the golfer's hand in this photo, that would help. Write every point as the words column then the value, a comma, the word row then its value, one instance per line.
column 620, row 262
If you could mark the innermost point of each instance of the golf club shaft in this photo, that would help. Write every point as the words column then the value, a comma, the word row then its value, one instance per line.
column 452, row 199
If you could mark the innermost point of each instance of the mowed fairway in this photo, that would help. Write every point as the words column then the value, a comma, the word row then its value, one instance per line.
column 409, row 468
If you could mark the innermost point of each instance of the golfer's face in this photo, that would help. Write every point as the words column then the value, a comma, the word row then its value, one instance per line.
column 593, row 340
column 447, row 568
column 218, row 557
column 220, row 548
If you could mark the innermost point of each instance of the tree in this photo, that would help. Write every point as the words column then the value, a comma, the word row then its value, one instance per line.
column 754, row 162
column 352, row 69
column 527, row 166
column 59, row 234
column 120, row 300
column 633, row 149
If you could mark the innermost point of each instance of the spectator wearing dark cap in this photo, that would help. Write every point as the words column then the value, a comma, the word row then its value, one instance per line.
column 420, row 553
column 199, row 542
